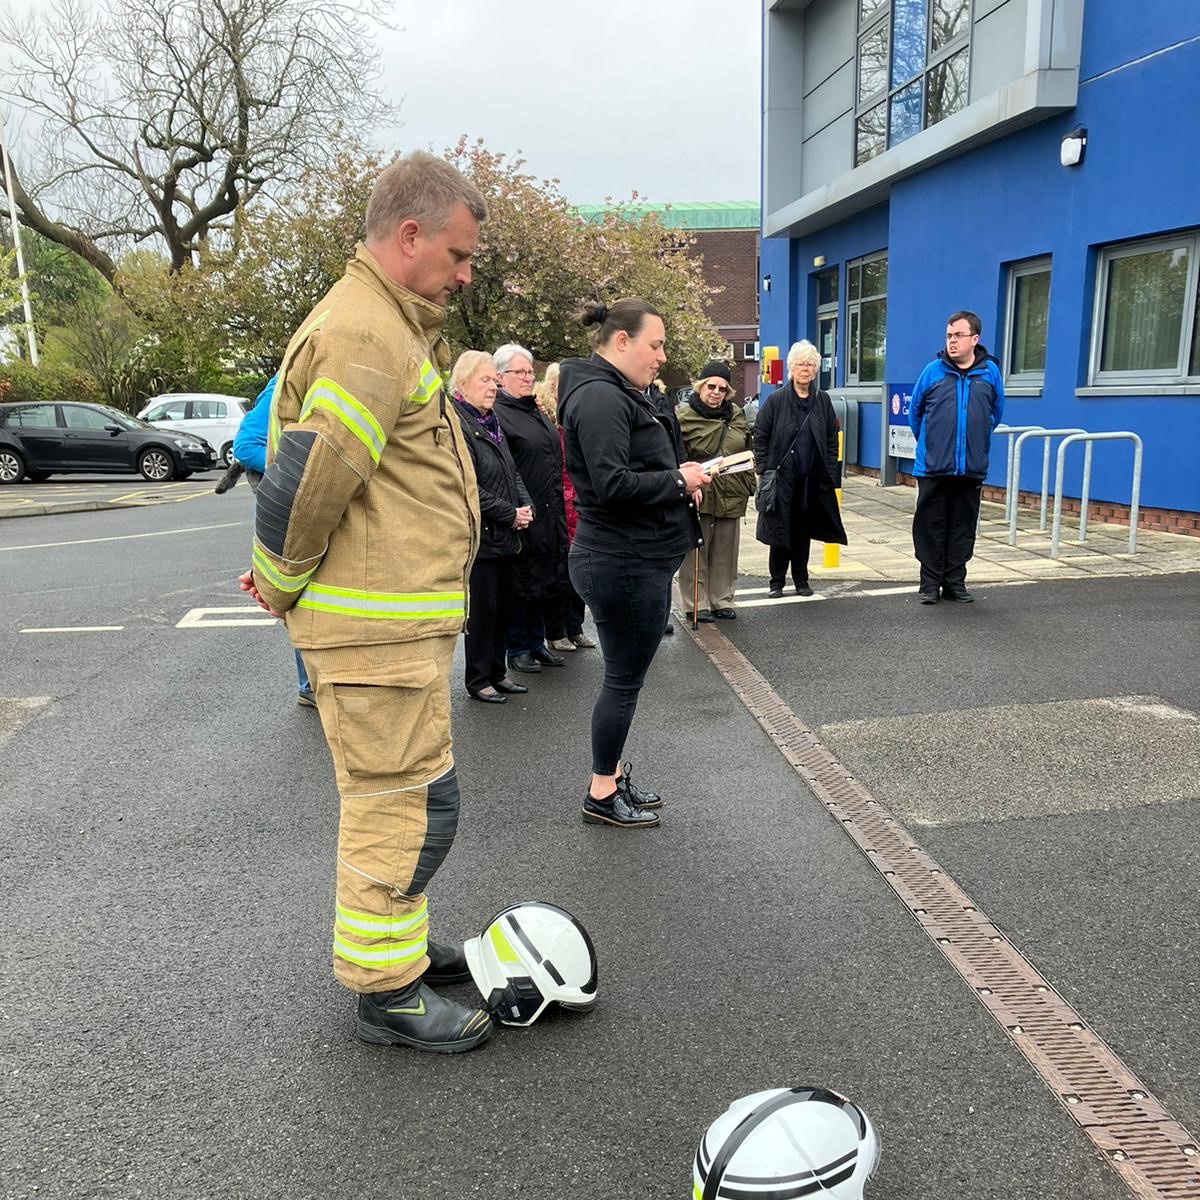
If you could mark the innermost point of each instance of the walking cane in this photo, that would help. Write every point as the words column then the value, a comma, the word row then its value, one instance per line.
column 696, row 590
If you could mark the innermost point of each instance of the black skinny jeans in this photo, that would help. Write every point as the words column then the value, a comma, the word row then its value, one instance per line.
column 630, row 599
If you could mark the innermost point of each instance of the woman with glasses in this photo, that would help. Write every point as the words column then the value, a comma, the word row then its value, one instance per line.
column 504, row 510
column 796, row 435
column 712, row 425
column 540, row 574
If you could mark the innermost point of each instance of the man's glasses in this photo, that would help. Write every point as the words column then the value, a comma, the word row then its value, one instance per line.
column 519, row 374
column 958, row 337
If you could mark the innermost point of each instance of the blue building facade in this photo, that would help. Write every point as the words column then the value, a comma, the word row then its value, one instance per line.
column 936, row 142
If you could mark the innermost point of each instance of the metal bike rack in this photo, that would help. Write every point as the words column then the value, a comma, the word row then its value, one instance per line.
column 1047, row 434
column 1135, row 490
column 1009, row 492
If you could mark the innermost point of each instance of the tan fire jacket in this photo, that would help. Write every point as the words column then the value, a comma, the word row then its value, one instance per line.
column 367, row 520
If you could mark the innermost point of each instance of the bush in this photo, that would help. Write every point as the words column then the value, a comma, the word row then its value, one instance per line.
column 22, row 383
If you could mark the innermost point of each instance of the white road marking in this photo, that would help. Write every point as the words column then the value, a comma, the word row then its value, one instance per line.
column 77, row 629
column 782, row 600
column 202, row 618
column 124, row 537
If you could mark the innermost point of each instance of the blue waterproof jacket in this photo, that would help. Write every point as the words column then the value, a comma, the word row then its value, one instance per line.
column 952, row 415
column 250, row 441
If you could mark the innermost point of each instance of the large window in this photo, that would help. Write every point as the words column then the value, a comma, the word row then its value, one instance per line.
column 1026, row 316
column 913, row 60
column 1147, row 313
column 866, row 318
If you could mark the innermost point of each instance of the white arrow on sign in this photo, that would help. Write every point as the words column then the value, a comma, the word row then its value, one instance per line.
column 206, row 618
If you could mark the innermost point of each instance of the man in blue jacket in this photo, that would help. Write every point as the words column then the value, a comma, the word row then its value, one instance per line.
column 958, row 401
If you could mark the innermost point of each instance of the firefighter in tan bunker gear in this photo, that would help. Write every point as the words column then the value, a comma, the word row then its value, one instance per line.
column 367, row 522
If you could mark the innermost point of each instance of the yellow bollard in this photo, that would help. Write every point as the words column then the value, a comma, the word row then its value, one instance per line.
column 833, row 552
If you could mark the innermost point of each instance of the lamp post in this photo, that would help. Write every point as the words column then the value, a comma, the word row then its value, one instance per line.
column 16, row 234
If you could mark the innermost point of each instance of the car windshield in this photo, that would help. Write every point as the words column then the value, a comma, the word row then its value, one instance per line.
column 124, row 419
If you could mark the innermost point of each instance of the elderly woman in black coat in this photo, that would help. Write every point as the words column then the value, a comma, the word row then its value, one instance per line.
column 796, row 435
column 505, row 510
column 540, row 581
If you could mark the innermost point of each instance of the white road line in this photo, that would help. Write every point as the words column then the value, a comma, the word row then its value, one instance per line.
column 782, row 600
column 77, row 629
column 202, row 618
column 124, row 537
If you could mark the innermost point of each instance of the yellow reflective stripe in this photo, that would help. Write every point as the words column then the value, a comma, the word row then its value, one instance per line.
column 358, row 922
column 429, row 385
column 383, row 606
column 326, row 394
column 273, row 427
column 377, row 959
column 502, row 946
column 285, row 583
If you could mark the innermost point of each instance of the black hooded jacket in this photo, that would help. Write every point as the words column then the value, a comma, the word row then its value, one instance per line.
column 621, row 457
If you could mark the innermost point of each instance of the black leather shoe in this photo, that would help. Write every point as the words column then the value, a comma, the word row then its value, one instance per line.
column 616, row 810
column 417, row 1016
column 524, row 662
column 547, row 657
column 633, row 793
column 725, row 614
column 802, row 589
column 959, row 595
column 776, row 592
column 491, row 696
column 928, row 596
column 669, row 631
column 510, row 688
column 447, row 964
column 703, row 616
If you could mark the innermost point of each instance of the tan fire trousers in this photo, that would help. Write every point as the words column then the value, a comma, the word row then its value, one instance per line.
column 718, row 563
column 386, row 714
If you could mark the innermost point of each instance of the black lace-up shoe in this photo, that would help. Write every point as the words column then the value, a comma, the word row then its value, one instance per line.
column 417, row 1016
column 634, row 794
column 447, row 964
column 616, row 810
column 524, row 662
column 959, row 595
column 546, row 657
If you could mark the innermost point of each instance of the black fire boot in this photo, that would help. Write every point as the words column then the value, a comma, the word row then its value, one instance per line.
column 447, row 964
column 417, row 1016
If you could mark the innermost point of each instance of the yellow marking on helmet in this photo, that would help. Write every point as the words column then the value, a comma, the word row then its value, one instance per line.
column 502, row 946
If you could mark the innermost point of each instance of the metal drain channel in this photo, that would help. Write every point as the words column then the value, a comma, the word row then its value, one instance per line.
column 1153, row 1153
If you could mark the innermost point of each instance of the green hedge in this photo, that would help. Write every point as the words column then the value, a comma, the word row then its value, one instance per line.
column 21, row 383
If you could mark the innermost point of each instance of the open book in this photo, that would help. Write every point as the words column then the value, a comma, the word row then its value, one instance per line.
column 730, row 464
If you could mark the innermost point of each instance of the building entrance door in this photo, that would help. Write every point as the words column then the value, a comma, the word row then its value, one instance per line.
column 827, row 344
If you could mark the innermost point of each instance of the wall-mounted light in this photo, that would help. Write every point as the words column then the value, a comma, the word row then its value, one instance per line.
column 1070, row 153
column 766, row 283
column 819, row 260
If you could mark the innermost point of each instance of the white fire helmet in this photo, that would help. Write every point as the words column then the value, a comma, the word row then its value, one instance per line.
column 530, row 955
column 784, row 1144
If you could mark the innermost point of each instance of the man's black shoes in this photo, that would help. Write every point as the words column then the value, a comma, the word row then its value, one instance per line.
column 725, row 614
column 417, row 1016
column 524, row 662
column 703, row 616
column 775, row 591
column 959, row 595
column 928, row 595
column 546, row 657
column 616, row 810
column 802, row 589
column 447, row 964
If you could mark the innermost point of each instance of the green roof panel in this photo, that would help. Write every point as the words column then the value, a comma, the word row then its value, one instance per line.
column 706, row 214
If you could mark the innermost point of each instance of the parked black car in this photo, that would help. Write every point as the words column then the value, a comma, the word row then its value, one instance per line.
column 38, row 440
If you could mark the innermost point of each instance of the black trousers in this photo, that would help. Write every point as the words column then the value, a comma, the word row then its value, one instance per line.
column 564, row 614
column 629, row 598
column 944, row 523
column 795, row 554
column 487, row 626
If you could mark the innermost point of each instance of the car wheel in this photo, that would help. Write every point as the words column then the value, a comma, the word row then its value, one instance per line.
column 156, row 465
column 227, row 455
column 12, row 466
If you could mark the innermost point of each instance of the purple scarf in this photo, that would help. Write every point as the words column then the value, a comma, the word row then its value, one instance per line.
column 487, row 421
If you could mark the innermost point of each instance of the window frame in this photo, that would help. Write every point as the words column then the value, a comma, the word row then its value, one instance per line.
column 883, row 18
column 1042, row 265
column 1179, row 376
column 854, row 324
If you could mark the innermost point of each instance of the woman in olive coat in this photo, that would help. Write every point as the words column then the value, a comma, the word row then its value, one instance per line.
column 796, row 434
column 711, row 426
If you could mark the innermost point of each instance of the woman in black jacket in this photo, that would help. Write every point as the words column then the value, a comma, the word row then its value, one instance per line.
column 505, row 509
column 796, row 435
column 540, row 577
column 637, row 519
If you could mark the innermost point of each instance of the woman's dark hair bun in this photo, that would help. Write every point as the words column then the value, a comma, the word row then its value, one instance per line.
column 594, row 314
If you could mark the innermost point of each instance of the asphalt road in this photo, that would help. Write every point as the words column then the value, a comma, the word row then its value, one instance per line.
column 169, row 1026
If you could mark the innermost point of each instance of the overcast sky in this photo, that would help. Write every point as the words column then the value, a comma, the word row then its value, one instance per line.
column 657, row 96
